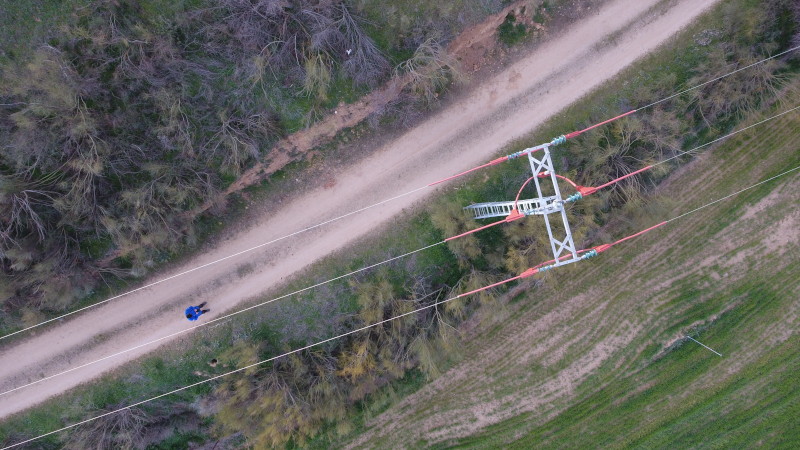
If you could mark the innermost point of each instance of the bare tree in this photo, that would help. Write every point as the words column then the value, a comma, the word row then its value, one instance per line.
column 119, row 430
column 363, row 62
column 235, row 140
column 739, row 93
column 431, row 69
column 22, row 204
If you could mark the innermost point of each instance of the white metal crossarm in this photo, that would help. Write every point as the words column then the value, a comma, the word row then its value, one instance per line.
column 503, row 209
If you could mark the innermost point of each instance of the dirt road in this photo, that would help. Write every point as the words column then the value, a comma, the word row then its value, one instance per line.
column 466, row 133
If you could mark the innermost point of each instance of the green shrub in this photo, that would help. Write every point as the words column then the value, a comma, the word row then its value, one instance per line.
column 510, row 32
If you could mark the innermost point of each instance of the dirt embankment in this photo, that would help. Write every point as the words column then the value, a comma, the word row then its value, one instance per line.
column 471, row 48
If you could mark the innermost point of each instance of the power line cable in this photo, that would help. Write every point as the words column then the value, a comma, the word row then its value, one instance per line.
column 583, row 191
column 185, row 272
column 563, row 138
column 726, row 136
column 493, row 162
column 721, row 77
column 218, row 319
column 735, row 193
column 586, row 191
column 366, row 327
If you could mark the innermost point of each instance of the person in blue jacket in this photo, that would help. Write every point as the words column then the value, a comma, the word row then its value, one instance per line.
column 193, row 312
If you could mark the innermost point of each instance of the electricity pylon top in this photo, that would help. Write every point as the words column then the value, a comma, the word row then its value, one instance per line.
column 562, row 244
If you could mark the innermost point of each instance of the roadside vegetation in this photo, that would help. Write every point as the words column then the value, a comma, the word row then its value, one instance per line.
column 324, row 395
column 119, row 118
column 510, row 31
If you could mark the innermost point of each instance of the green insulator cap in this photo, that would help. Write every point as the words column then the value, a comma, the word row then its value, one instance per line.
column 591, row 254
column 574, row 197
column 559, row 140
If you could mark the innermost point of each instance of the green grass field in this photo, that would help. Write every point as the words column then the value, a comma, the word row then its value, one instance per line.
column 586, row 360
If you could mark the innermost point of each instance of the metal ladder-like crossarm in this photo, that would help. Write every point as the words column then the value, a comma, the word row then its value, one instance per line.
column 503, row 209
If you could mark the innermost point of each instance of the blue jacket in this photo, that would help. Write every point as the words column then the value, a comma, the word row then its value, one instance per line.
column 193, row 312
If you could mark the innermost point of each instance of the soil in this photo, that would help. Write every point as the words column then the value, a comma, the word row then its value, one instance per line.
column 468, row 132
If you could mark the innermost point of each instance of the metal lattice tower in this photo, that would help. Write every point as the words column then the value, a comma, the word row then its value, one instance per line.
column 563, row 246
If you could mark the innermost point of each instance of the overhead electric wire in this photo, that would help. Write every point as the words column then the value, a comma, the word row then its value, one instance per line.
column 726, row 136
column 218, row 319
column 511, row 217
column 217, row 261
column 588, row 190
column 491, row 163
column 580, row 132
column 366, row 327
column 588, row 253
column 721, row 77
column 731, row 195
column 704, row 345
column 563, row 138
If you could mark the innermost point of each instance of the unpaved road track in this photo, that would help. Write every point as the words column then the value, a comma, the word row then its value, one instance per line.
column 466, row 133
